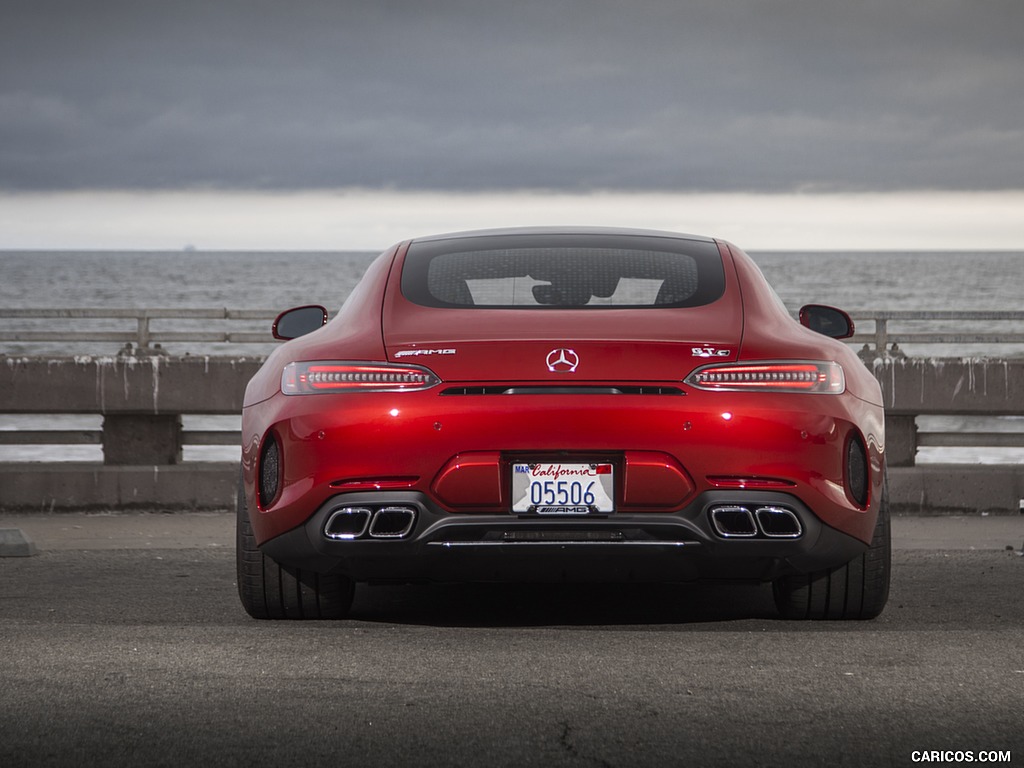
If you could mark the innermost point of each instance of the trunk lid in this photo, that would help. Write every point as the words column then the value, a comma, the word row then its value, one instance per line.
column 563, row 347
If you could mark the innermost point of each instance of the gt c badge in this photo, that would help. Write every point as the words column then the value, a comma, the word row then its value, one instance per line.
column 562, row 361
column 710, row 352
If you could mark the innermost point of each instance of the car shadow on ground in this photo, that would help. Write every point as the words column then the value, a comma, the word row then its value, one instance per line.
column 538, row 605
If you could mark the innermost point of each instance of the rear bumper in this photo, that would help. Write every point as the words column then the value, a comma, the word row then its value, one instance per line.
column 675, row 547
column 457, row 449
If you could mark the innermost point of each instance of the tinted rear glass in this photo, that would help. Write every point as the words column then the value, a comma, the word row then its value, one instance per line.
column 563, row 272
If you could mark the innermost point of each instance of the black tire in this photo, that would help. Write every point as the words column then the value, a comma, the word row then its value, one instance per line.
column 857, row 590
column 269, row 590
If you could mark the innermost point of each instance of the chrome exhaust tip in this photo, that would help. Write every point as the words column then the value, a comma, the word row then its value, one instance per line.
column 778, row 523
column 347, row 523
column 732, row 522
column 392, row 522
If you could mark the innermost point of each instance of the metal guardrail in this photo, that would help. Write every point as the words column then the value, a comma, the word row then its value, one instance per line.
column 95, row 437
column 883, row 336
column 970, row 440
column 144, row 337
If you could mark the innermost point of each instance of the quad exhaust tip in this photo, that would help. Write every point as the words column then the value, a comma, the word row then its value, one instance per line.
column 733, row 522
column 738, row 522
column 348, row 523
column 778, row 523
column 392, row 522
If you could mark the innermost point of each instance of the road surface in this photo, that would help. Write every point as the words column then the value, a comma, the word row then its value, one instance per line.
column 123, row 643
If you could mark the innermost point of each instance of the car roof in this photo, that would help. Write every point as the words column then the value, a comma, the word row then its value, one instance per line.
column 608, row 231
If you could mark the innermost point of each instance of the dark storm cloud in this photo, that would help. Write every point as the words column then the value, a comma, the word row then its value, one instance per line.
column 763, row 95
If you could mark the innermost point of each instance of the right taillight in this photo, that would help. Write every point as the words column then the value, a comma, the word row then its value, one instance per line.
column 815, row 377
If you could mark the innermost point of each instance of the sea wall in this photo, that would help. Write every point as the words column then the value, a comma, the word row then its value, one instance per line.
column 142, row 402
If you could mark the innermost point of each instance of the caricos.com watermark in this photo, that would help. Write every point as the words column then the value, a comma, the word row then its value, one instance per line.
column 961, row 756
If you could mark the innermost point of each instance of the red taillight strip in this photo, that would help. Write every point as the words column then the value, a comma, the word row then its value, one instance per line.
column 324, row 376
column 752, row 481
column 375, row 483
column 781, row 376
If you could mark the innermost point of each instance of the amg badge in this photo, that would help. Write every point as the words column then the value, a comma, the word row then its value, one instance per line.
column 423, row 352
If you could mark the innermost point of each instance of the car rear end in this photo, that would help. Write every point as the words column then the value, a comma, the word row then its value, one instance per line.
column 568, row 406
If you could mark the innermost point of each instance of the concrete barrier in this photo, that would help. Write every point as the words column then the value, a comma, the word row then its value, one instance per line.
column 125, row 385
column 61, row 486
column 142, row 401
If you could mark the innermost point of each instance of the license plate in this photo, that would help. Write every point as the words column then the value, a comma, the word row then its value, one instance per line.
column 545, row 488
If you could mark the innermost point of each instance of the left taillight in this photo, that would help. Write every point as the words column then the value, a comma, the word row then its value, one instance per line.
column 323, row 377
column 784, row 376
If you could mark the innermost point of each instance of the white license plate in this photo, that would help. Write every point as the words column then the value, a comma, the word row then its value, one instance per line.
column 545, row 488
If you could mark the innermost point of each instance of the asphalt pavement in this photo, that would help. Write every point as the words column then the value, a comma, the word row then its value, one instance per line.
column 112, row 531
column 122, row 642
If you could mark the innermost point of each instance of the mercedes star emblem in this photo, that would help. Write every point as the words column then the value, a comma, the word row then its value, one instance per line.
column 563, row 361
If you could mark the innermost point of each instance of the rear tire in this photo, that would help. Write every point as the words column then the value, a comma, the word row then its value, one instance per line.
column 857, row 590
column 269, row 590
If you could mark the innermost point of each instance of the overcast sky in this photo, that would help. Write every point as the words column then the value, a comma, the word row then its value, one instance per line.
column 565, row 96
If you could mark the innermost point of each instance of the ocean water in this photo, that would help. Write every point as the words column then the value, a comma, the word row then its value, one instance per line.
column 855, row 281
column 136, row 280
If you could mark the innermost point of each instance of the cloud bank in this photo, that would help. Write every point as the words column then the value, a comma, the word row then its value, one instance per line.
column 561, row 95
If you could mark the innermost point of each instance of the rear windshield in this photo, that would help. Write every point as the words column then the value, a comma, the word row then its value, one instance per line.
column 563, row 272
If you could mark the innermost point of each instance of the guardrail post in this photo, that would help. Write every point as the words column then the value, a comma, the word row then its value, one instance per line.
column 900, row 441
column 143, row 330
column 141, row 438
column 881, row 335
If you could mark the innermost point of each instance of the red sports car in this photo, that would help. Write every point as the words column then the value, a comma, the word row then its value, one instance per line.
column 563, row 404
